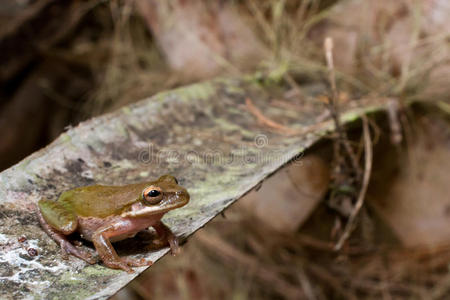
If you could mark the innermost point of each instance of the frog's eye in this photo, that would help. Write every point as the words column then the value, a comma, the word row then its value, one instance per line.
column 152, row 195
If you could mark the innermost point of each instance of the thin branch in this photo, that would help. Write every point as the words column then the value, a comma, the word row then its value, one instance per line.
column 277, row 126
column 323, row 274
column 264, row 272
column 365, row 183
column 393, row 110
column 334, row 107
column 265, row 120
column 328, row 45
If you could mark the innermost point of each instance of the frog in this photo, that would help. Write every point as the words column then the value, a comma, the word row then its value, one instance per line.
column 105, row 214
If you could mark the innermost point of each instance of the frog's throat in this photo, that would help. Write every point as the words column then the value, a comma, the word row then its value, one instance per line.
column 151, row 210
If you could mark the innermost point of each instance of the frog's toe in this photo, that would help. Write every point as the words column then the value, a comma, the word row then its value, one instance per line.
column 137, row 262
column 160, row 243
column 118, row 264
column 174, row 246
column 124, row 266
column 68, row 248
column 89, row 259
column 64, row 254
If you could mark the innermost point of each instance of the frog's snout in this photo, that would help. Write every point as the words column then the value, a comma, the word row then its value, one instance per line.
column 183, row 196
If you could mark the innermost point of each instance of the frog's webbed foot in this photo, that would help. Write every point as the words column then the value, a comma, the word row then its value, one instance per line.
column 118, row 264
column 126, row 263
column 68, row 248
column 107, row 253
column 137, row 262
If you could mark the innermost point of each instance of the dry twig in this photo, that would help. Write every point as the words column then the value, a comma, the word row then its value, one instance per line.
column 263, row 272
column 321, row 273
column 266, row 121
column 275, row 125
column 394, row 122
column 334, row 110
column 365, row 183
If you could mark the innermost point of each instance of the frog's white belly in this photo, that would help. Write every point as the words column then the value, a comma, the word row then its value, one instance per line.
column 120, row 228
column 122, row 237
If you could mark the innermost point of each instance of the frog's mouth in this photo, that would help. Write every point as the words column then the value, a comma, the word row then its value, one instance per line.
column 153, row 210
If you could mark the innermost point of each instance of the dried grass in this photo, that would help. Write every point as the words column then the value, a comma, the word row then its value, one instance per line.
column 238, row 257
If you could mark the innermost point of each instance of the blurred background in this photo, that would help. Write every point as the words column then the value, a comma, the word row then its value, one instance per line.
column 63, row 62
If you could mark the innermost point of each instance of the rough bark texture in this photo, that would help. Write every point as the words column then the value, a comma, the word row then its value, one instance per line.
column 203, row 134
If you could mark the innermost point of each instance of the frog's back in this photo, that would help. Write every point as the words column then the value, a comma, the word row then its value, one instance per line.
column 100, row 200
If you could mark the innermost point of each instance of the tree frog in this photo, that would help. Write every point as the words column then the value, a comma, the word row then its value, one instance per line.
column 105, row 214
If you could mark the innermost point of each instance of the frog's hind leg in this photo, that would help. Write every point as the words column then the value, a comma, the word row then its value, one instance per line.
column 57, row 223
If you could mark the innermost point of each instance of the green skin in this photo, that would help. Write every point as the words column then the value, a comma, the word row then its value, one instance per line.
column 104, row 214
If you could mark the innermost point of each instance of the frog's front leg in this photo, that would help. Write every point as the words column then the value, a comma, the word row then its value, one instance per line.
column 106, row 251
column 165, row 235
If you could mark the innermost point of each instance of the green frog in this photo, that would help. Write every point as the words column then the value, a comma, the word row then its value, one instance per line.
column 105, row 214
